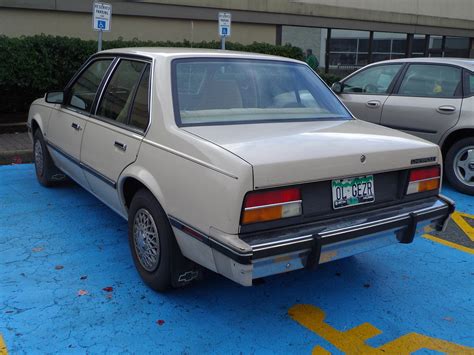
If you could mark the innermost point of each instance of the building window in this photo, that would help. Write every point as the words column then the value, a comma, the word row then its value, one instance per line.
column 389, row 46
column 349, row 50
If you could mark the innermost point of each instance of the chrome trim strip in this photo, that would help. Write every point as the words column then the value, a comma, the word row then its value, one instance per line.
column 190, row 158
column 273, row 205
column 269, row 245
column 86, row 167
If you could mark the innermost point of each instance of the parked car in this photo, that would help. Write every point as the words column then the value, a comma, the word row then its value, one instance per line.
column 245, row 164
column 431, row 98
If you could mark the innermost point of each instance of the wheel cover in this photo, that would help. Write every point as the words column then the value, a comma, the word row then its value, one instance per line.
column 463, row 165
column 39, row 158
column 146, row 240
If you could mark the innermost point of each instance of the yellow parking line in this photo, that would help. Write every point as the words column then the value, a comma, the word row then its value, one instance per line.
column 3, row 347
column 449, row 244
column 461, row 222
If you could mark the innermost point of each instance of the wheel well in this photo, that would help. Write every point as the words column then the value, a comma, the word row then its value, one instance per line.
column 130, row 187
column 454, row 137
column 34, row 126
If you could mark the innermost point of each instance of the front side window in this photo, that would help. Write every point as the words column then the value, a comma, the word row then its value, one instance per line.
column 431, row 81
column 230, row 91
column 375, row 80
column 118, row 96
column 84, row 89
column 470, row 83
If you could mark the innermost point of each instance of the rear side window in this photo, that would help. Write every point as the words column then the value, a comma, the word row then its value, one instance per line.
column 375, row 80
column 431, row 81
column 118, row 96
column 84, row 89
column 470, row 83
column 140, row 114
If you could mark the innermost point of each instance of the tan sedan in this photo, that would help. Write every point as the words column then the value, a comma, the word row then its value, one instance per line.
column 245, row 164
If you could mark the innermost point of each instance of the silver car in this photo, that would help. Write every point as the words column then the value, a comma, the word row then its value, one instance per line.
column 244, row 164
column 431, row 98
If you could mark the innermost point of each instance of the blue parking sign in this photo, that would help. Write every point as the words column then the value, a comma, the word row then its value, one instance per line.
column 102, row 24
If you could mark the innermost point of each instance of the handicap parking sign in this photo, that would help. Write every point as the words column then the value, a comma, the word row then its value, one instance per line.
column 102, row 16
column 101, row 24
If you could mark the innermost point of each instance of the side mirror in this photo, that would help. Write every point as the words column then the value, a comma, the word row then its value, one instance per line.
column 337, row 87
column 54, row 97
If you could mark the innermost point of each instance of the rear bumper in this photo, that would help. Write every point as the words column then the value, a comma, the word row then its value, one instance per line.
column 268, row 253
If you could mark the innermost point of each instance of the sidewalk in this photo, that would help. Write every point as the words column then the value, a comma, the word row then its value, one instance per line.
column 15, row 148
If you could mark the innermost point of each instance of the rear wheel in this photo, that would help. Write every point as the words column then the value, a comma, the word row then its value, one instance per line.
column 459, row 165
column 153, row 245
column 46, row 172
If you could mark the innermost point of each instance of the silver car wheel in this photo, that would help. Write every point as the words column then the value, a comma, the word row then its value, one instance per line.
column 464, row 165
column 39, row 158
column 146, row 240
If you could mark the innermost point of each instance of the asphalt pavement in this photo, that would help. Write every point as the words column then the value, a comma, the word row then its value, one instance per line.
column 68, row 285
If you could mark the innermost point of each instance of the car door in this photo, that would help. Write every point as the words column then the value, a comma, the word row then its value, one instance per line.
column 427, row 101
column 114, row 132
column 68, row 120
column 365, row 92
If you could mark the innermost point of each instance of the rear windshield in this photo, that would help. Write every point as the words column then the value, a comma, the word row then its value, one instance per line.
column 231, row 91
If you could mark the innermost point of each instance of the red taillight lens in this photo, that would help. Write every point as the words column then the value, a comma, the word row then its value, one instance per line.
column 271, row 205
column 271, row 197
column 424, row 179
column 426, row 173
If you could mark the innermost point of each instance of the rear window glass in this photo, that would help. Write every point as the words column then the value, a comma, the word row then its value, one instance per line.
column 230, row 91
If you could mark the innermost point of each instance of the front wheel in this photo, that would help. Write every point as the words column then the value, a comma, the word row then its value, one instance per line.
column 46, row 172
column 459, row 165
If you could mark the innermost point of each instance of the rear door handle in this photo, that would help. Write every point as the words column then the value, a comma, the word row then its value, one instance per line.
column 120, row 145
column 446, row 109
column 373, row 104
column 76, row 126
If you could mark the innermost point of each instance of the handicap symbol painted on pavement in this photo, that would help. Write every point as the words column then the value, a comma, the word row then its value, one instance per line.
column 3, row 347
column 101, row 24
column 353, row 340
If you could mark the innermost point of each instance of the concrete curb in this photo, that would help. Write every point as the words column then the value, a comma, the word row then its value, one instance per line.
column 16, row 157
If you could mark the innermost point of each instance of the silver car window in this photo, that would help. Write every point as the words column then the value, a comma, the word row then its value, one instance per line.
column 428, row 80
column 374, row 80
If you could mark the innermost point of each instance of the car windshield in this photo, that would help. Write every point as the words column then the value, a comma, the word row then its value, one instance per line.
column 231, row 91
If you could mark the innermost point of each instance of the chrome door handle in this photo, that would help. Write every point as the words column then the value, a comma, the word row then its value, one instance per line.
column 446, row 109
column 120, row 145
column 76, row 126
column 373, row 104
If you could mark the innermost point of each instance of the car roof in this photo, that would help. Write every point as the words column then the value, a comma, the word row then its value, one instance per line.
column 462, row 62
column 156, row 52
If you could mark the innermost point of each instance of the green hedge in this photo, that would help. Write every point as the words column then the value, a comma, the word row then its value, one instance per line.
column 30, row 66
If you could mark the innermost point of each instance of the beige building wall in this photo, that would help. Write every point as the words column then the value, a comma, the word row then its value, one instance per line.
column 18, row 22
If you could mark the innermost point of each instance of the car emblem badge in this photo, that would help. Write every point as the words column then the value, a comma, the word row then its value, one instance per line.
column 362, row 158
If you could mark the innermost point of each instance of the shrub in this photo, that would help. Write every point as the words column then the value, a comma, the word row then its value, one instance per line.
column 30, row 66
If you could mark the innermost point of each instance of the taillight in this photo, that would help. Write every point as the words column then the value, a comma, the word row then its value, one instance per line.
column 424, row 179
column 271, row 205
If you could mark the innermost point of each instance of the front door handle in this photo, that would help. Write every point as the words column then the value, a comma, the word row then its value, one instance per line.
column 120, row 145
column 76, row 126
column 373, row 104
column 446, row 109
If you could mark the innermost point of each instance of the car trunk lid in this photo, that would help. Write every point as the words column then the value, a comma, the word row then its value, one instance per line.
column 300, row 152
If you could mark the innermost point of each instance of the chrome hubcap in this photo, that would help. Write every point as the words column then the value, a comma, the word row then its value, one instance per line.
column 464, row 165
column 146, row 240
column 39, row 158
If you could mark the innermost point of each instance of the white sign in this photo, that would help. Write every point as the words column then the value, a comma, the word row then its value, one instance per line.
column 224, row 24
column 102, row 16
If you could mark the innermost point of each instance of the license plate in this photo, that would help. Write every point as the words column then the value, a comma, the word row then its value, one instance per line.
column 353, row 191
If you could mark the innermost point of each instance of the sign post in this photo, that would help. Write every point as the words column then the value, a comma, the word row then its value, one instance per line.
column 225, row 20
column 101, row 20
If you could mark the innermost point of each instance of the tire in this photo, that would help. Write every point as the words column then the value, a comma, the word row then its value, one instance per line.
column 46, row 172
column 154, row 261
column 459, row 165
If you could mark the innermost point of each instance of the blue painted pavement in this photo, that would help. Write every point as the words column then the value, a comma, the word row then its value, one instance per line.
column 60, row 242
